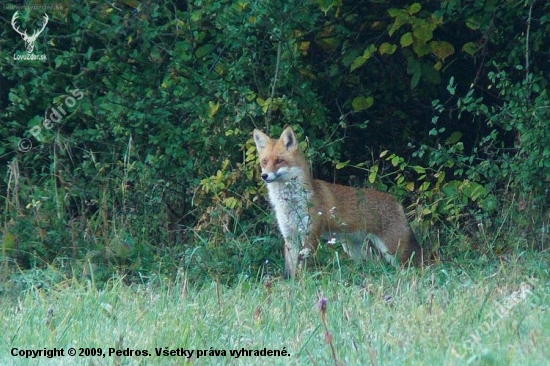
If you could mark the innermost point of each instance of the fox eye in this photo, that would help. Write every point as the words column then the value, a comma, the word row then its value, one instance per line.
column 264, row 161
column 279, row 161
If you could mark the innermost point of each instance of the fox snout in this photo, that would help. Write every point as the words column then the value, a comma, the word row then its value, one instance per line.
column 269, row 177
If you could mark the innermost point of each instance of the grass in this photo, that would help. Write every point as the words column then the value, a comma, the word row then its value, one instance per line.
column 488, row 313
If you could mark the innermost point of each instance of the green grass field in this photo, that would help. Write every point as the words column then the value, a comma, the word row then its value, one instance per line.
column 490, row 312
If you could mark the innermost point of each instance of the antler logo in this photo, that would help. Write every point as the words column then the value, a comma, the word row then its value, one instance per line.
column 29, row 40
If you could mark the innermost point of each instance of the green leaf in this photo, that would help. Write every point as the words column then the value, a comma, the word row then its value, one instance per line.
column 454, row 138
column 387, row 48
column 358, row 62
column 423, row 32
column 373, row 173
column 342, row 164
column 406, row 39
column 414, row 8
column 470, row 48
column 196, row 15
column 397, row 13
column 489, row 203
column 369, row 51
column 473, row 190
column 395, row 160
column 419, row 169
column 397, row 24
column 415, row 69
column 8, row 242
column 213, row 108
column 442, row 49
column 326, row 5
column 89, row 53
column 361, row 103
column 59, row 61
column 14, row 98
column 421, row 48
column 472, row 23
column 450, row 189
column 415, row 80
column 230, row 202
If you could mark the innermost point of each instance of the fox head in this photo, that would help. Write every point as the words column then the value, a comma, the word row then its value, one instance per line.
column 281, row 160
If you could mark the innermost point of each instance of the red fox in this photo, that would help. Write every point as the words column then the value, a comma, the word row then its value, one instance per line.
column 306, row 208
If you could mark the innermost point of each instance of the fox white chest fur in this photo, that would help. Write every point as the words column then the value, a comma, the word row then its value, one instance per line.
column 291, row 201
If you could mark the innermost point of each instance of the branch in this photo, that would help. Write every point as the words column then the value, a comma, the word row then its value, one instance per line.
column 527, row 41
column 274, row 85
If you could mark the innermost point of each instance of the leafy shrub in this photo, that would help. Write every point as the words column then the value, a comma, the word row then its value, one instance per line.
column 155, row 163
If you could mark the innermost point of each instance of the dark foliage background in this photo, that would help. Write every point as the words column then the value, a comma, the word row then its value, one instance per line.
column 152, row 167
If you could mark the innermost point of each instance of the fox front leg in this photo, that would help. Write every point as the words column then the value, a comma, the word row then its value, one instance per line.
column 291, row 258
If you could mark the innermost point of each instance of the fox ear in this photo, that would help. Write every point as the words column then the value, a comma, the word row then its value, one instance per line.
column 289, row 139
column 260, row 139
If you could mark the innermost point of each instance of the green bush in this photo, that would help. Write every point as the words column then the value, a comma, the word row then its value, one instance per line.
column 154, row 162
